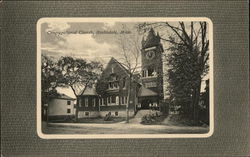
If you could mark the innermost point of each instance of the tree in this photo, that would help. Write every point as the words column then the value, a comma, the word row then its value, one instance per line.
column 130, row 53
column 50, row 74
column 187, row 61
column 78, row 74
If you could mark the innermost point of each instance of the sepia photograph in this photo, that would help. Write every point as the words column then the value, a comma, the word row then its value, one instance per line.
column 124, row 78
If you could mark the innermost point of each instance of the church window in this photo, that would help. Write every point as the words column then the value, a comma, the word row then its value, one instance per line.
column 117, row 100
column 113, row 100
column 113, row 82
column 94, row 102
column 108, row 100
column 122, row 99
column 80, row 102
column 124, row 82
column 112, row 69
column 104, row 101
column 86, row 102
column 150, row 71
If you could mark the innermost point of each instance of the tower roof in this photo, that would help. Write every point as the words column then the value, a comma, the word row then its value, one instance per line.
column 152, row 39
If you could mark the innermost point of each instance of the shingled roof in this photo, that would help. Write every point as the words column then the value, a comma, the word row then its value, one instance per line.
column 143, row 91
column 90, row 91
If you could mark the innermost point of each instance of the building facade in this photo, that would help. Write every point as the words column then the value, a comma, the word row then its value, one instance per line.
column 111, row 94
column 61, row 107
column 113, row 90
column 151, row 92
column 88, row 103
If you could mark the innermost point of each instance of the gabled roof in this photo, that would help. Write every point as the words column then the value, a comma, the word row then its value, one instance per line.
column 120, row 64
column 143, row 91
column 90, row 91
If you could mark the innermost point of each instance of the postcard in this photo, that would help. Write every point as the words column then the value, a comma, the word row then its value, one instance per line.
column 125, row 78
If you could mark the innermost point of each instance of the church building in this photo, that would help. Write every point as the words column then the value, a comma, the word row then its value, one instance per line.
column 111, row 94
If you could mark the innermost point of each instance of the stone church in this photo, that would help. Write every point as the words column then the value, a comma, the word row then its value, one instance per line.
column 110, row 95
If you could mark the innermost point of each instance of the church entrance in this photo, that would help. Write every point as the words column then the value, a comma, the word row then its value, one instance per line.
column 148, row 103
column 145, row 104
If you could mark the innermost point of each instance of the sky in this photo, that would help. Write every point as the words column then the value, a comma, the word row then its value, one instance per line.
column 100, row 47
column 90, row 41
column 93, row 41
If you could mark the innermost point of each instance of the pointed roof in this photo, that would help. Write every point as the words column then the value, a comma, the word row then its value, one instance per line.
column 120, row 64
column 143, row 91
column 152, row 39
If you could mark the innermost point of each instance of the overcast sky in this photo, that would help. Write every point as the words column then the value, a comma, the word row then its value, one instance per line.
column 91, row 45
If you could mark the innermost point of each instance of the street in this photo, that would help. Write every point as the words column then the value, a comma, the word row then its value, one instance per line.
column 119, row 128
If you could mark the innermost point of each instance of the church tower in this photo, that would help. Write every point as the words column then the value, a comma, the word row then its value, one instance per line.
column 152, row 64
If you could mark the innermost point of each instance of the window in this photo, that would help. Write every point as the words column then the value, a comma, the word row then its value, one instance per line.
column 109, row 100
column 113, row 85
column 116, row 113
column 122, row 100
column 113, row 99
column 124, row 82
column 68, row 102
column 126, row 100
column 113, row 82
column 150, row 71
column 80, row 102
column 102, row 101
column 112, row 69
column 117, row 100
column 150, row 84
column 68, row 110
column 86, row 113
column 86, row 102
column 94, row 102
column 144, row 73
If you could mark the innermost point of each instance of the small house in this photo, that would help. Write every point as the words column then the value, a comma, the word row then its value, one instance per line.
column 61, row 107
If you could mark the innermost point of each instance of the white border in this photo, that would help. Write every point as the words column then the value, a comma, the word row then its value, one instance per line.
column 123, row 136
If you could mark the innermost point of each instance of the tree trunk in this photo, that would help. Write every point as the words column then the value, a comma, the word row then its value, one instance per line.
column 196, row 102
column 127, row 106
column 77, row 104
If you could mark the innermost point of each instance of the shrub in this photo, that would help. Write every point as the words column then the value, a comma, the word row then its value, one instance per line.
column 152, row 119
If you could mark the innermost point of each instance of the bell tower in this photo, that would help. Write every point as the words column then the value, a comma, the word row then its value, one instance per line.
column 151, row 62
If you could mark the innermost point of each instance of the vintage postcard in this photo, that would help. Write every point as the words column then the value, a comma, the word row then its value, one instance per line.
column 125, row 78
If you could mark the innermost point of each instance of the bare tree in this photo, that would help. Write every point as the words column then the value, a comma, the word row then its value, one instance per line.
column 130, row 55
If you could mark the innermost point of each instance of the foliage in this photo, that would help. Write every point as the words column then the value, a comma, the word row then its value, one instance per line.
column 78, row 73
column 152, row 119
column 187, row 61
column 50, row 73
